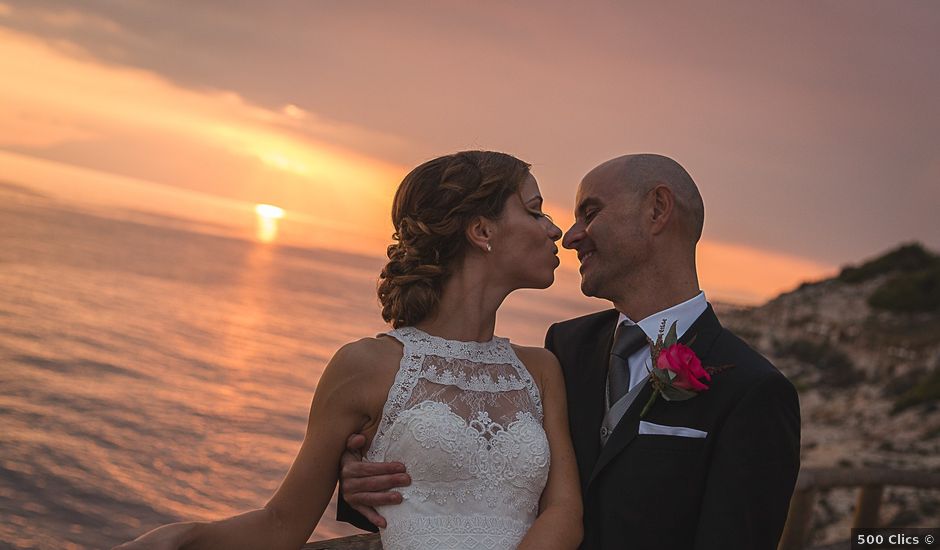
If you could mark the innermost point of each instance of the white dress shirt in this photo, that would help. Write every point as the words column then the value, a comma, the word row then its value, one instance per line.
column 683, row 315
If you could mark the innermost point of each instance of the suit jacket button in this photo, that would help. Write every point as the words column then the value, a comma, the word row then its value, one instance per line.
column 604, row 431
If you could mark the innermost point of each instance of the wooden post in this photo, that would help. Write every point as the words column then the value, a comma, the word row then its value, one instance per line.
column 799, row 520
column 868, row 506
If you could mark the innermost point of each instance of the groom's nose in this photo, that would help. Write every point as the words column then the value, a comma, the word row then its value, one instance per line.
column 573, row 236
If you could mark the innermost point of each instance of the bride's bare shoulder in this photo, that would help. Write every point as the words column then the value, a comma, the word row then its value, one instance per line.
column 541, row 363
column 368, row 356
column 360, row 373
column 536, row 359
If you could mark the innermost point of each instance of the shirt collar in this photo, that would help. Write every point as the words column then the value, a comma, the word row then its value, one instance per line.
column 683, row 315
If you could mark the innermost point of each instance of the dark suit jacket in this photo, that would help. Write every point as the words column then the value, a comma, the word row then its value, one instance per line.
column 729, row 491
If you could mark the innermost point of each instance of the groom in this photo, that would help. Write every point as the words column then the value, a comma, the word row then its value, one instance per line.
column 715, row 471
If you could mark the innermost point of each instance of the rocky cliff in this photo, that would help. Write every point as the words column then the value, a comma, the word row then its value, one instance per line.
column 863, row 349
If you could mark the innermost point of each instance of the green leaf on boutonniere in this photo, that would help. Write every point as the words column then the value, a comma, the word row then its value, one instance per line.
column 662, row 383
column 664, row 377
column 672, row 393
column 671, row 337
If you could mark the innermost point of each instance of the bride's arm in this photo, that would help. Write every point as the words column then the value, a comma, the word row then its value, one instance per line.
column 287, row 520
column 559, row 524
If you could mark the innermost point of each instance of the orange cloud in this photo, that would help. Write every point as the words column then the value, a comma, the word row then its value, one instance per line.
column 59, row 99
column 37, row 129
column 742, row 274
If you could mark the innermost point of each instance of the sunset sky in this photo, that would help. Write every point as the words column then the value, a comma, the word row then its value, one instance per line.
column 812, row 129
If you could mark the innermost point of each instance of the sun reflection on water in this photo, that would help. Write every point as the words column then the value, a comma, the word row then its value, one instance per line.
column 268, row 216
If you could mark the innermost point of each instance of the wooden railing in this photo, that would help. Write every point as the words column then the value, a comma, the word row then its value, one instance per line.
column 355, row 542
column 871, row 483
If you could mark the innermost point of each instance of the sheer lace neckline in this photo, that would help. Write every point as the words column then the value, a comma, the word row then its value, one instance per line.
column 496, row 345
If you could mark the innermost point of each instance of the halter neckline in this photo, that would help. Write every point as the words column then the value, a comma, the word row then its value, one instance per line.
column 494, row 342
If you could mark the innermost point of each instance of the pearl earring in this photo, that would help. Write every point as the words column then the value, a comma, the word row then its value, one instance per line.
column 489, row 247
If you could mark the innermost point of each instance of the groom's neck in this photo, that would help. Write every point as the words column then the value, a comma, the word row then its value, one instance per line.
column 656, row 292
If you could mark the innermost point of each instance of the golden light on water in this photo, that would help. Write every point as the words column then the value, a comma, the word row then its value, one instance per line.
column 268, row 216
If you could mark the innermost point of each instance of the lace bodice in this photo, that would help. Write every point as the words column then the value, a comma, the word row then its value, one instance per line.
column 466, row 420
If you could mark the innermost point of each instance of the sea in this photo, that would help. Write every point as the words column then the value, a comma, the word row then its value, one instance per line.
column 154, row 370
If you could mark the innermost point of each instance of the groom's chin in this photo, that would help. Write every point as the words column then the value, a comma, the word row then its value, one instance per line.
column 592, row 290
column 587, row 288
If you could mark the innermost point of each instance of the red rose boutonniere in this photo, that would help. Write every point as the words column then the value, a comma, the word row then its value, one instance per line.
column 677, row 373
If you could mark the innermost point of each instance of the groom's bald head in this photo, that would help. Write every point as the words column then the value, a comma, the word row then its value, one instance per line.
column 637, row 221
column 640, row 173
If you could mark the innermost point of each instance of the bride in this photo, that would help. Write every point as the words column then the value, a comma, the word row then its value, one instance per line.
column 475, row 420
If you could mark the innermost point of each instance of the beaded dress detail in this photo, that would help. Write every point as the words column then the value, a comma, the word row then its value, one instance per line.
column 466, row 420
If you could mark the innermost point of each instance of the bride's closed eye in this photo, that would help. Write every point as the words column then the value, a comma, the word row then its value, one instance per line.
column 539, row 215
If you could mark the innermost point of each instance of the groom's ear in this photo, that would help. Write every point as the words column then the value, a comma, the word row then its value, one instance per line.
column 662, row 207
column 479, row 233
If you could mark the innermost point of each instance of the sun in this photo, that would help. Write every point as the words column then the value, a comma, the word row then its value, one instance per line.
column 269, row 211
column 268, row 217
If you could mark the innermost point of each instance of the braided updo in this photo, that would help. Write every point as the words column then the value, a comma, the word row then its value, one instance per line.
column 432, row 209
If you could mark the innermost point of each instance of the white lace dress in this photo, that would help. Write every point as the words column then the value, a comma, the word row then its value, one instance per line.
column 466, row 420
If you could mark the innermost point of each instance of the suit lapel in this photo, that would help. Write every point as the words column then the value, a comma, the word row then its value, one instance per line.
column 592, row 356
column 703, row 333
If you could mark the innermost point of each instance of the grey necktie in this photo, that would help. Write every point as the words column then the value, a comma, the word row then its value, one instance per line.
column 628, row 339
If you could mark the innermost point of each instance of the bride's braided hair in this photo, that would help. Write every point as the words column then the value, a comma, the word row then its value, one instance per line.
column 432, row 208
